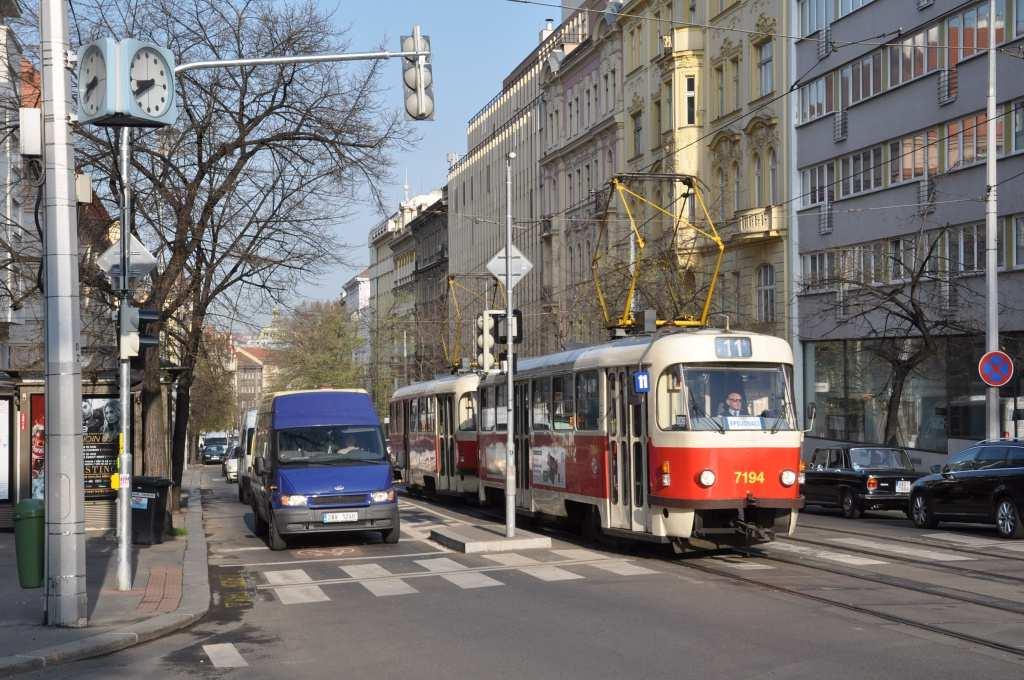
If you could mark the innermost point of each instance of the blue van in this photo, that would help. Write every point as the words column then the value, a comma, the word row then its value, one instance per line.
column 319, row 465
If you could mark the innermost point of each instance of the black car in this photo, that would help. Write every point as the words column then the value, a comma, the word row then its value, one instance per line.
column 983, row 483
column 213, row 454
column 859, row 478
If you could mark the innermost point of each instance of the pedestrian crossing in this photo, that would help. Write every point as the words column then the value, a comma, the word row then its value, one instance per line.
column 408, row 577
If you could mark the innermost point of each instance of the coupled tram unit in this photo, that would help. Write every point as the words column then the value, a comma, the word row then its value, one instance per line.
column 688, row 437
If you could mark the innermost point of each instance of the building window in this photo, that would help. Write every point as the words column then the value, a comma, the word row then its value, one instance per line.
column 766, row 293
column 691, row 100
column 817, row 98
column 773, row 176
column 860, row 172
column 814, row 15
column 638, row 133
column 735, row 65
column 656, row 124
column 1018, row 239
column 818, row 184
column 758, row 180
column 607, row 101
column 736, row 187
column 720, row 86
column 764, row 68
column 721, row 194
column 1018, row 123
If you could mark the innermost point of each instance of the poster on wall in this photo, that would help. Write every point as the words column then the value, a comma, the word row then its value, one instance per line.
column 37, row 418
column 101, row 428
column 5, row 450
column 547, row 466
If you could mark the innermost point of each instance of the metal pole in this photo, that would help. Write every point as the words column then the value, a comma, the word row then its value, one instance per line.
column 300, row 59
column 124, row 511
column 793, row 242
column 66, row 603
column 405, row 355
column 991, row 224
column 510, row 457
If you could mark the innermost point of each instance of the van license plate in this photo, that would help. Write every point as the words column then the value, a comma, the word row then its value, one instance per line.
column 340, row 517
column 903, row 486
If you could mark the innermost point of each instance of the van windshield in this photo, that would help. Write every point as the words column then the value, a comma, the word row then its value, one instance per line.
column 329, row 445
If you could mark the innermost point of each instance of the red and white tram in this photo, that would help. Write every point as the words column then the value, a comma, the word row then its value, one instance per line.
column 433, row 435
column 687, row 437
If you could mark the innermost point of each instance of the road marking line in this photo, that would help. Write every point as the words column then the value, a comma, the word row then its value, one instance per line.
column 287, row 577
column 733, row 563
column 624, row 568
column 579, row 554
column 441, row 564
column 510, row 559
column 548, row 573
column 301, row 594
column 972, row 541
column 340, row 559
column 224, row 656
column 225, row 551
column 381, row 587
column 471, row 580
column 842, row 558
column 900, row 549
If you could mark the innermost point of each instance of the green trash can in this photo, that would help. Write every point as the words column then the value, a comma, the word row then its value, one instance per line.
column 29, row 525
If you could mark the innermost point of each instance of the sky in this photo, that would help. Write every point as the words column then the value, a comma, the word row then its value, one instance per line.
column 475, row 43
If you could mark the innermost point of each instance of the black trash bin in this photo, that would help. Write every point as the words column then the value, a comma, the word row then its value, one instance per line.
column 149, row 507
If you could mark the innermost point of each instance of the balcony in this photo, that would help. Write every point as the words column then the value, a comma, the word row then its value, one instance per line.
column 687, row 39
column 755, row 223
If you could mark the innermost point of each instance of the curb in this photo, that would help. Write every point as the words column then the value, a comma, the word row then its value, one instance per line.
column 195, row 602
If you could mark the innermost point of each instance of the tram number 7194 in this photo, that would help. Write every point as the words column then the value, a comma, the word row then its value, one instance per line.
column 749, row 477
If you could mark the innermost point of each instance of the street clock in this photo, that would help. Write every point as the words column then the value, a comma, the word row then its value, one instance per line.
column 126, row 83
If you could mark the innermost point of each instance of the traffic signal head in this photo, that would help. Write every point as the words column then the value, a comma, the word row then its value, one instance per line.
column 486, row 340
column 131, row 340
column 417, row 78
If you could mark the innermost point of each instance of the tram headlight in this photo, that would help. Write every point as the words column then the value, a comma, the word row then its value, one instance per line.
column 788, row 478
column 706, row 478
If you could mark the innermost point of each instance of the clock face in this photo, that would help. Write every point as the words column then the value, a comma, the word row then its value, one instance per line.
column 92, row 83
column 150, row 80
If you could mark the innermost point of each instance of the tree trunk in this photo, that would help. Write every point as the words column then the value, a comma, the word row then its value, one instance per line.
column 155, row 461
column 900, row 374
column 179, row 443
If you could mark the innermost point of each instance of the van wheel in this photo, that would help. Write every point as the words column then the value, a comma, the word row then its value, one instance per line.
column 1008, row 519
column 274, row 538
column 259, row 525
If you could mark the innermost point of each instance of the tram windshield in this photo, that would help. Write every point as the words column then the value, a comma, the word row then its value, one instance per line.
column 723, row 398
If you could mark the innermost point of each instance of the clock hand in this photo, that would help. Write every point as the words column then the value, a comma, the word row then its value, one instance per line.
column 144, row 85
column 91, row 85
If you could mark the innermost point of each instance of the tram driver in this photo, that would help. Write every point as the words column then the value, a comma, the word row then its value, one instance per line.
column 733, row 405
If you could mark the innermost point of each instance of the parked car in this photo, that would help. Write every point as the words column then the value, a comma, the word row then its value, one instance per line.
column 213, row 454
column 983, row 483
column 319, row 465
column 859, row 478
column 229, row 468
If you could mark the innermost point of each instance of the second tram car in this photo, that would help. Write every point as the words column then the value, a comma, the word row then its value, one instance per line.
column 689, row 437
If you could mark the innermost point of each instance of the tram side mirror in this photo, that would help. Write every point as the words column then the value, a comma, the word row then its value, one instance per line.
column 812, row 411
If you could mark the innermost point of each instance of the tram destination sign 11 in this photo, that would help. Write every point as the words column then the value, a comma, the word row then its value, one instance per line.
column 733, row 348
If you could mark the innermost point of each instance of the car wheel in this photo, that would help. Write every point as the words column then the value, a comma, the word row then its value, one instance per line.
column 921, row 513
column 1008, row 519
column 274, row 538
column 851, row 508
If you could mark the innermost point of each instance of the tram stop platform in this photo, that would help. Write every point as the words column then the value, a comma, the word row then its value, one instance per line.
column 480, row 538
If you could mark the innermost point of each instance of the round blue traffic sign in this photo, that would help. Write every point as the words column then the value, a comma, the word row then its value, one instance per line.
column 995, row 368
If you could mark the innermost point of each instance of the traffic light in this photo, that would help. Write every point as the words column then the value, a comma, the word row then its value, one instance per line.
column 517, row 327
column 487, row 340
column 417, row 78
column 131, row 339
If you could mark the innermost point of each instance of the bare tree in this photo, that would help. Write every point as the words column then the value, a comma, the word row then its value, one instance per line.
column 239, row 200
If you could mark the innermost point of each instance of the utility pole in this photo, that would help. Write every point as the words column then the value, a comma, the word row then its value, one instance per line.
column 124, row 491
column 991, row 224
column 510, row 457
column 66, row 602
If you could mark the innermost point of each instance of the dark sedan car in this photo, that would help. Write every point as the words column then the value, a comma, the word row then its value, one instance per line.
column 859, row 478
column 984, row 483
column 213, row 454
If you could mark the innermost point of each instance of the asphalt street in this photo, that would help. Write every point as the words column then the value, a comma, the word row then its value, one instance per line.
column 352, row 606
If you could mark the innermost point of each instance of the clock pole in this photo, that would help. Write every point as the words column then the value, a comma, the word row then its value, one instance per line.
column 66, row 603
column 124, row 511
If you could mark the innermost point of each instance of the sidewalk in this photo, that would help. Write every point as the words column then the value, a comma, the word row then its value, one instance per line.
column 171, row 591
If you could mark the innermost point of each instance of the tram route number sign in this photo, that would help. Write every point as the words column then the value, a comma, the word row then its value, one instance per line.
column 995, row 368
column 641, row 382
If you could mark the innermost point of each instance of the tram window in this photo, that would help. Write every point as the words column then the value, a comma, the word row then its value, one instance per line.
column 638, row 419
column 722, row 397
column 501, row 412
column 588, row 401
column 638, row 474
column 562, row 402
column 414, row 410
column 487, row 409
column 541, row 404
column 429, row 414
column 467, row 412
column 613, row 405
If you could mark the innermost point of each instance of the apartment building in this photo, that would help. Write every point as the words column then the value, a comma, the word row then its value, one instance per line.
column 891, row 149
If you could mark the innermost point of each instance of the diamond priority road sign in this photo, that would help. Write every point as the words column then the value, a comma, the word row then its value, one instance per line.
column 520, row 266
column 995, row 368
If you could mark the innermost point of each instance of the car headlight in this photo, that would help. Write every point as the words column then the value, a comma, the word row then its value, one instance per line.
column 383, row 496
column 707, row 478
column 293, row 501
column 788, row 478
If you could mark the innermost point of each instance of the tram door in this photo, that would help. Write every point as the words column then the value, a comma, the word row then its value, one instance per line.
column 522, row 444
column 446, row 443
column 618, row 450
column 637, row 435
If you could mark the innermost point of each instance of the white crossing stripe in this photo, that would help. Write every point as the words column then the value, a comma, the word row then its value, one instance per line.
column 842, row 558
column 900, row 549
column 510, row 559
column 467, row 580
column 622, row 568
column 742, row 566
column 440, row 564
column 548, row 573
column 971, row 541
column 296, row 587
column 224, row 656
column 381, row 587
column 1013, row 547
column 579, row 554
